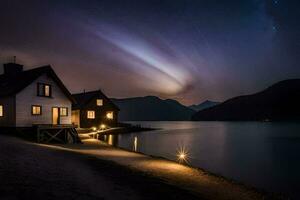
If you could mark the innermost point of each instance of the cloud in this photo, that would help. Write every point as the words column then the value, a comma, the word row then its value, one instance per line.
column 165, row 74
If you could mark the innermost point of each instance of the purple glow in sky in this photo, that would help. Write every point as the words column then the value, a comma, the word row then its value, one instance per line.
column 188, row 50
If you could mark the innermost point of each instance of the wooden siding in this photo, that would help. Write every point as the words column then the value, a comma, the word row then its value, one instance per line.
column 28, row 97
column 9, row 118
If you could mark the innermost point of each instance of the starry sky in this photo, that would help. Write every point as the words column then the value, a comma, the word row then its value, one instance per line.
column 188, row 50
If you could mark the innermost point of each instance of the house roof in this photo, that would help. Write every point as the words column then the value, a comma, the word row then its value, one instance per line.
column 83, row 99
column 13, row 84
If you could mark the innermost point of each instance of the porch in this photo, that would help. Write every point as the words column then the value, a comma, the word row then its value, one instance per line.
column 63, row 133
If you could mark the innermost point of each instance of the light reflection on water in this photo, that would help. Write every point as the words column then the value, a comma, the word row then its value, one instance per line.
column 113, row 140
column 264, row 155
column 135, row 144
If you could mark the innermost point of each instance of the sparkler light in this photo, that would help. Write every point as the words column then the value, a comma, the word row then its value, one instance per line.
column 182, row 155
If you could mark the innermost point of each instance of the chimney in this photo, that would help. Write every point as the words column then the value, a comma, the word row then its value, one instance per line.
column 12, row 69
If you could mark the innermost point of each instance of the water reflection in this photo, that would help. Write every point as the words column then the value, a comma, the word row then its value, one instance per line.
column 265, row 155
column 135, row 144
column 113, row 140
column 109, row 139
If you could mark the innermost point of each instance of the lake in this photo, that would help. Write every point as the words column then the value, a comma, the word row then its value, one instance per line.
column 263, row 155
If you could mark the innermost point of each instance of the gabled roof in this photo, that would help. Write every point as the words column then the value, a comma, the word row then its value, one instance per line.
column 11, row 85
column 83, row 99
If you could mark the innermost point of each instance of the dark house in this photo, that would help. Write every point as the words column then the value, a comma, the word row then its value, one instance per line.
column 33, row 97
column 93, row 109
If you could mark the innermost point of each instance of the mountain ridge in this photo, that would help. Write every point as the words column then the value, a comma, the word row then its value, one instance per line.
column 203, row 105
column 279, row 101
column 152, row 108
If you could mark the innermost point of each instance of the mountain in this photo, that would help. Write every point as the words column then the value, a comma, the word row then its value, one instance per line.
column 281, row 101
column 151, row 108
column 204, row 105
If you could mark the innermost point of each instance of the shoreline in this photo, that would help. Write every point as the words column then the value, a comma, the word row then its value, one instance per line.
column 160, row 174
column 31, row 171
column 116, row 130
column 262, row 192
column 234, row 189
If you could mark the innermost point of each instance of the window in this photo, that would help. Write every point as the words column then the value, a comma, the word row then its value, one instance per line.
column 91, row 114
column 1, row 110
column 47, row 90
column 64, row 111
column 36, row 110
column 99, row 102
column 110, row 115
column 44, row 90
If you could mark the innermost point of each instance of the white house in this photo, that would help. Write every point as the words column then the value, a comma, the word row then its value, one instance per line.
column 33, row 97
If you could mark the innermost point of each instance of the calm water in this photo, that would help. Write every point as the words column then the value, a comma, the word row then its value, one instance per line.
column 264, row 155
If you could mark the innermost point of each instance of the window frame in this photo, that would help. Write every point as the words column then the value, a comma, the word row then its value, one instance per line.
column 32, row 106
column 107, row 113
column 1, row 110
column 87, row 114
column 100, row 100
column 43, row 92
column 47, row 93
column 67, row 111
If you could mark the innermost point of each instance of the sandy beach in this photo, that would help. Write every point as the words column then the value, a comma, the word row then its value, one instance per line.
column 94, row 170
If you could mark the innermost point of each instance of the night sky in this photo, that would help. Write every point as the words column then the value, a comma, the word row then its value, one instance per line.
column 188, row 50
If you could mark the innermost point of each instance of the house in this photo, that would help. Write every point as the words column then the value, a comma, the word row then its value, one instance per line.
column 93, row 109
column 32, row 97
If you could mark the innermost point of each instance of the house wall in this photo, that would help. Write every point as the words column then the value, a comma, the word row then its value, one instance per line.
column 76, row 117
column 100, row 114
column 28, row 97
column 9, row 118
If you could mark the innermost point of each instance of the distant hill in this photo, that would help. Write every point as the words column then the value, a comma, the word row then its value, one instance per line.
column 204, row 105
column 281, row 101
column 151, row 108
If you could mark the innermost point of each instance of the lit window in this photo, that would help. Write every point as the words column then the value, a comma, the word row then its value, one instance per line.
column 91, row 114
column 1, row 110
column 63, row 111
column 36, row 110
column 110, row 115
column 44, row 90
column 99, row 102
column 47, row 90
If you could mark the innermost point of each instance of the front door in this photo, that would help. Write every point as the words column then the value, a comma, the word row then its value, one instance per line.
column 55, row 116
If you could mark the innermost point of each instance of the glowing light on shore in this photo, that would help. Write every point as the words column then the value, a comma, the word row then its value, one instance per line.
column 182, row 155
column 94, row 128
column 102, row 126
